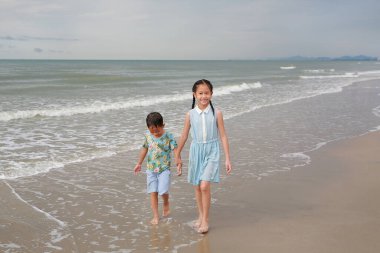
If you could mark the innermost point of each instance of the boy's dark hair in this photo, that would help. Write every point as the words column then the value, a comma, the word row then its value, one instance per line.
column 154, row 119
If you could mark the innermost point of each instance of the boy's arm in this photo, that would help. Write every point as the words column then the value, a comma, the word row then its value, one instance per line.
column 224, row 139
column 142, row 155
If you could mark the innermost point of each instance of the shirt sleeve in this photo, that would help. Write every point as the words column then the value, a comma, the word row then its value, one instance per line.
column 145, row 144
column 173, row 143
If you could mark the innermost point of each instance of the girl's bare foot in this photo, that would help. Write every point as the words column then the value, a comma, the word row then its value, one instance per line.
column 203, row 229
column 197, row 223
column 154, row 221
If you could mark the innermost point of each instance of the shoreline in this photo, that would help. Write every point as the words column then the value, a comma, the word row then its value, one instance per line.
column 124, row 152
column 330, row 205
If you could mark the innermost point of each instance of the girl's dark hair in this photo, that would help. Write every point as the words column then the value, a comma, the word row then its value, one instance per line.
column 154, row 119
column 195, row 87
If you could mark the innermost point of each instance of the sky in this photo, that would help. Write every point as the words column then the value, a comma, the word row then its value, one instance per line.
column 187, row 29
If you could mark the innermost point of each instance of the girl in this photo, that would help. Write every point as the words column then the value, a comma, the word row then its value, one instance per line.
column 207, row 126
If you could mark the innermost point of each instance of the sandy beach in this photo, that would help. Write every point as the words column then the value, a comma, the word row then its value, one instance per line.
column 331, row 205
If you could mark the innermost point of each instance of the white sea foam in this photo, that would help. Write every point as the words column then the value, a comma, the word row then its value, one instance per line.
column 303, row 158
column 9, row 247
column 21, row 169
column 376, row 111
column 234, row 88
column 287, row 67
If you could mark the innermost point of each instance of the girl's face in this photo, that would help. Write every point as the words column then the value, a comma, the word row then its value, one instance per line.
column 203, row 95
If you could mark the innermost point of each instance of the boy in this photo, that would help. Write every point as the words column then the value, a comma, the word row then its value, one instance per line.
column 158, row 145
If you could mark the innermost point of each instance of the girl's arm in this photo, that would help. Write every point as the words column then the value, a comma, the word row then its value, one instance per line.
column 142, row 155
column 224, row 139
column 184, row 136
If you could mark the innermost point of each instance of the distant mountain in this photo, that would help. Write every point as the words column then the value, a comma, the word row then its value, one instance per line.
column 341, row 58
column 356, row 58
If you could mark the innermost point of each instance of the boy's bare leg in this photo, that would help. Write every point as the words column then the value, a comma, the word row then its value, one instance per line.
column 154, row 205
column 198, row 198
column 166, row 207
column 205, row 188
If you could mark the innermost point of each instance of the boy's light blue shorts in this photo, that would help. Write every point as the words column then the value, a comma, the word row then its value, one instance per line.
column 158, row 182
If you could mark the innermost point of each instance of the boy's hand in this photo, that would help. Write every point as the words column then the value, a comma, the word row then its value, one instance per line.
column 137, row 169
column 178, row 161
column 179, row 169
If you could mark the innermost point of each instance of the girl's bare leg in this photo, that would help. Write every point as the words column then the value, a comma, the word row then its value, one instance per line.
column 198, row 198
column 166, row 207
column 154, row 205
column 205, row 188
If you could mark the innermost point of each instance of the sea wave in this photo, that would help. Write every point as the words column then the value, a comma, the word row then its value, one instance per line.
column 286, row 101
column 346, row 75
column 319, row 70
column 22, row 169
column 236, row 88
column 101, row 106
column 375, row 73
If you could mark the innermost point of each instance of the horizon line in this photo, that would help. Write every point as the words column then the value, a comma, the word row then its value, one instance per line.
column 286, row 58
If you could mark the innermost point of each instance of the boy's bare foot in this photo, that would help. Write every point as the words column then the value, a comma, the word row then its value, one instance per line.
column 165, row 213
column 166, row 210
column 154, row 221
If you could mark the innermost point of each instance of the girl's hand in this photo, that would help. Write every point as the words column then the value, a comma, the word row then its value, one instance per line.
column 137, row 169
column 178, row 160
column 228, row 167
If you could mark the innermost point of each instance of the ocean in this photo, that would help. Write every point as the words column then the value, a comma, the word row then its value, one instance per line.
column 71, row 131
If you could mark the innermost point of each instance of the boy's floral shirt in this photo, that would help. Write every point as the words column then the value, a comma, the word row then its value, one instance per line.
column 159, row 150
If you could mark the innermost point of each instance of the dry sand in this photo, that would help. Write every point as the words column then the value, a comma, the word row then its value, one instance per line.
column 331, row 205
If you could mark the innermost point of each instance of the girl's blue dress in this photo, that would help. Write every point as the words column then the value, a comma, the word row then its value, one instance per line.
column 204, row 149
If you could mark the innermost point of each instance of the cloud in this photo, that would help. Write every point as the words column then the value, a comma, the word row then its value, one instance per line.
column 32, row 38
column 149, row 29
column 56, row 51
column 38, row 50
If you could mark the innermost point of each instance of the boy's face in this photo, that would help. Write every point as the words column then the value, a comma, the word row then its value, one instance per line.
column 156, row 131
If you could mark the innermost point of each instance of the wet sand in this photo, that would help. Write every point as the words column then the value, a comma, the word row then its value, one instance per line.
column 331, row 205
